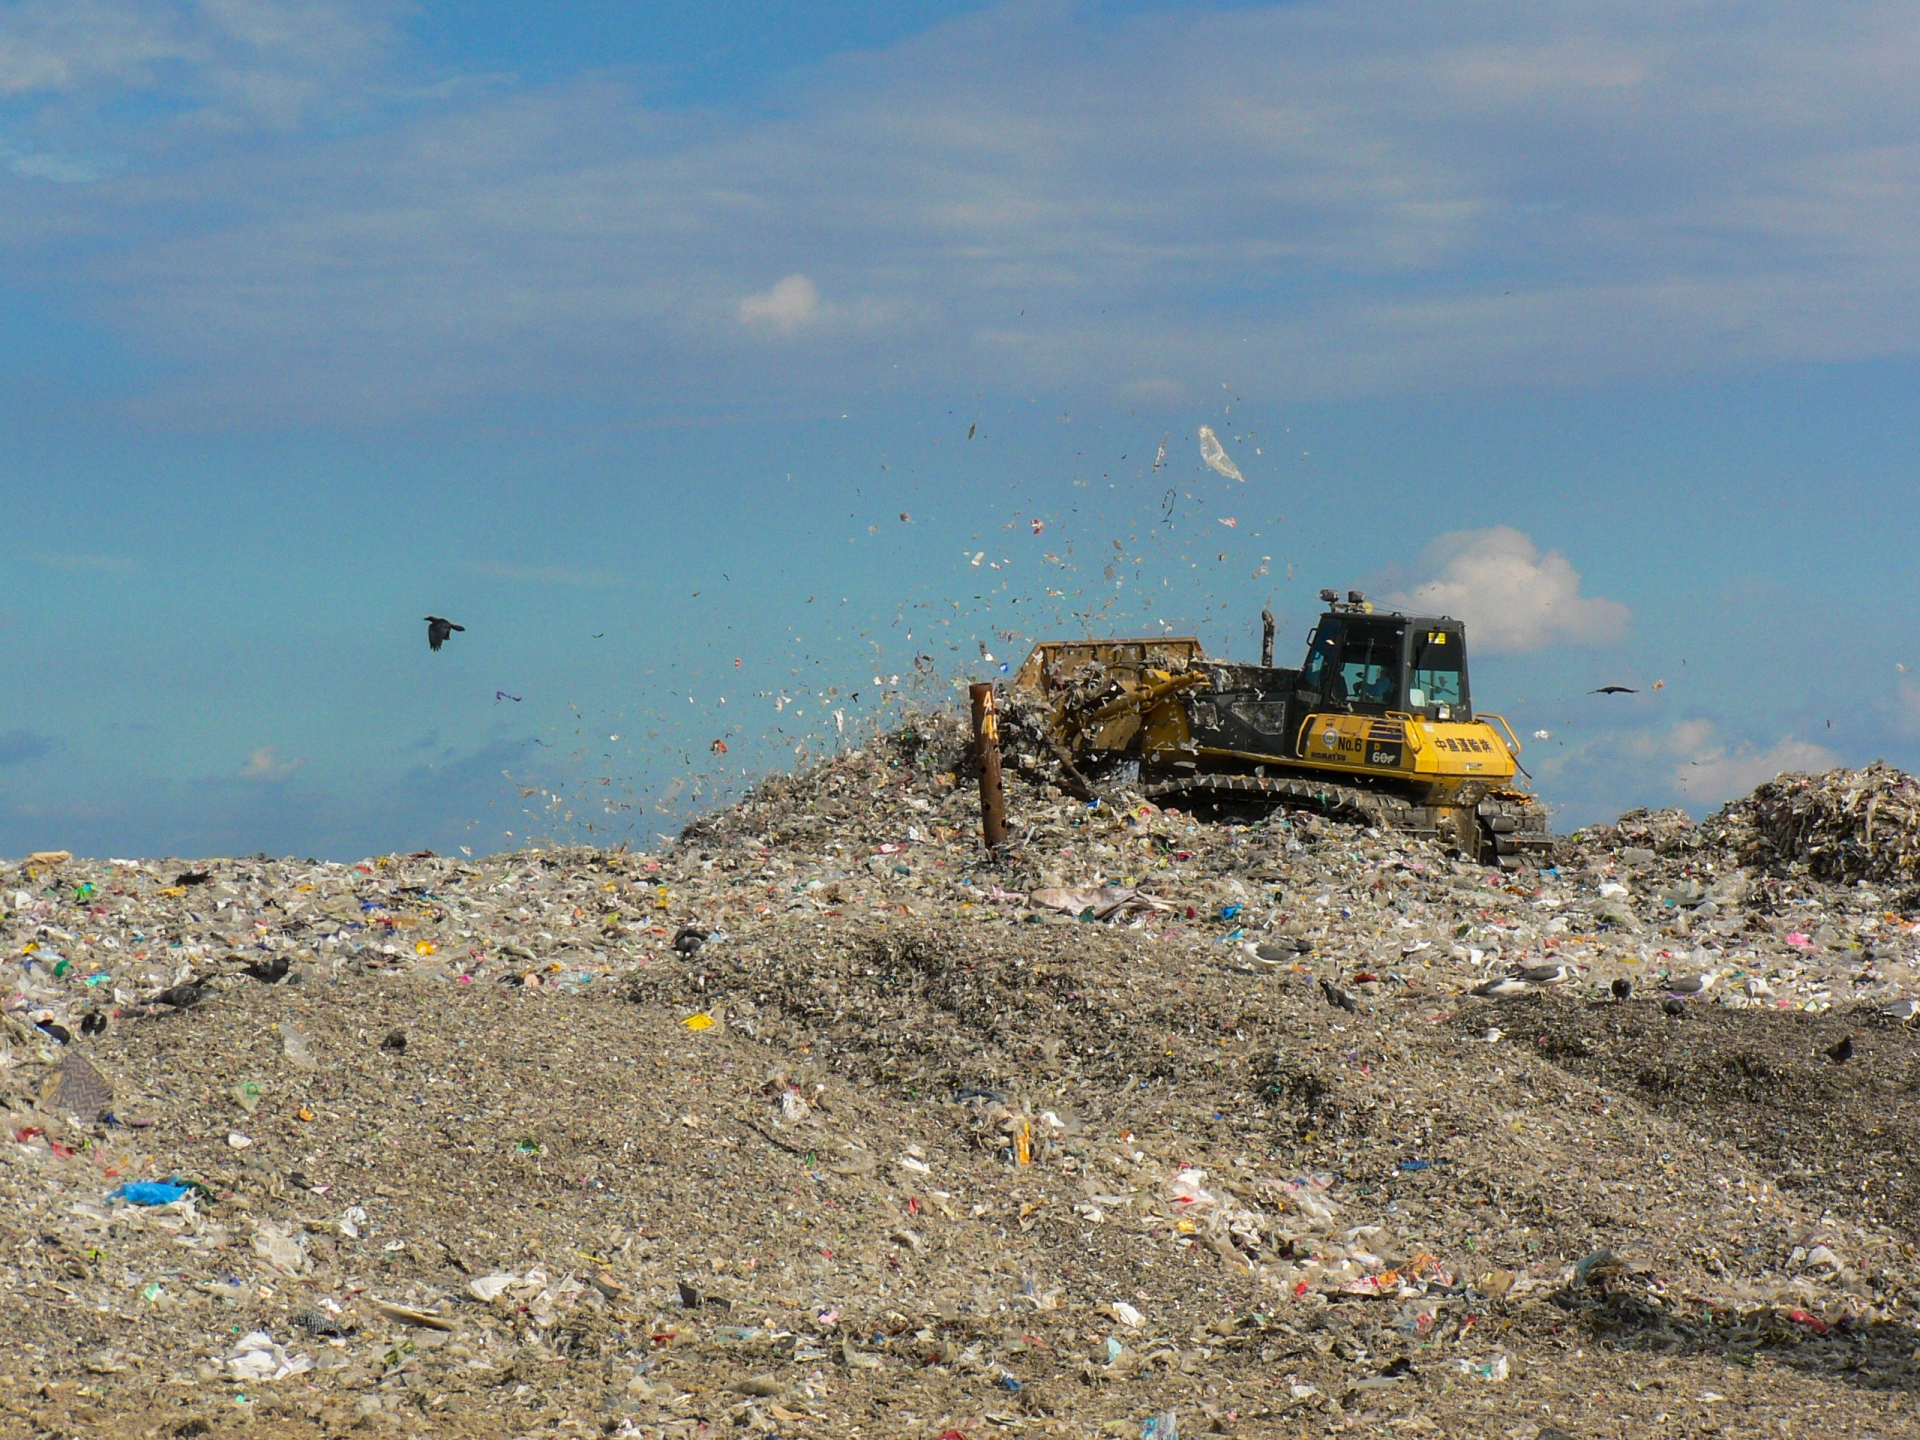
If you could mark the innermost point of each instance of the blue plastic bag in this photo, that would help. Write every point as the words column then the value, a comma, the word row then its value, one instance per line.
column 150, row 1192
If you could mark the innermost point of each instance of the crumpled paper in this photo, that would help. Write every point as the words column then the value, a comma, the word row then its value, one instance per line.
column 258, row 1357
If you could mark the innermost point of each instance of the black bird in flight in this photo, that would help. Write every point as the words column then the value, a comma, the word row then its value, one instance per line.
column 439, row 631
column 1603, row 690
column 270, row 971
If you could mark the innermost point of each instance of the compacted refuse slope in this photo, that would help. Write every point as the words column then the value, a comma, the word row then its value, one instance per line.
column 817, row 1124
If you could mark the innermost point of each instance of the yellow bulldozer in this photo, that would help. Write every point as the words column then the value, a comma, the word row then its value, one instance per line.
column 1376, row 726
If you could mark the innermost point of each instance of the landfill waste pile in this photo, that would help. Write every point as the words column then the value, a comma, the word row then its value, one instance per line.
column 1843, row 826
column 818, row 1123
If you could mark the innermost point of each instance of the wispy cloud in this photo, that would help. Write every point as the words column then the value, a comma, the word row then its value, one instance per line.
column 1694, row 761
column 264, row 766
column 1358, row 200
column 540, row 574
column 19, row 746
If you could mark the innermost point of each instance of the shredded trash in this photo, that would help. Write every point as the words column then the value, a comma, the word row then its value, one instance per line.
column 1214, row 455
column 814, row 1113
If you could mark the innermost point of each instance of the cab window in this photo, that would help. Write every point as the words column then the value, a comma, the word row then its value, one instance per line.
column 1320, row 652
column 1435, row 676
column 1369, row 666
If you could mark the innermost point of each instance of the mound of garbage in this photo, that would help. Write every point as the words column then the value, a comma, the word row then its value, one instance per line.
column 1842, row 826
column 815, row 1122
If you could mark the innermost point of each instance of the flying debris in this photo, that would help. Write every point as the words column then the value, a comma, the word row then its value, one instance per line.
column 1161, row 458
column 1215, row 455
column 439, row 631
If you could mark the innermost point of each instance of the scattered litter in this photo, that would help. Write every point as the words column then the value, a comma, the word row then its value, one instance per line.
column 258, row 1357
column 150, row 1192
column 1214, row 455
column 1157, row 1103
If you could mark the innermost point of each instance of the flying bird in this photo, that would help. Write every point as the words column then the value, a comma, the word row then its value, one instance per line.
column 269, row 972
column 1841, row 1052
column 439, row 631
column 1614, row 690
column 1622, row 989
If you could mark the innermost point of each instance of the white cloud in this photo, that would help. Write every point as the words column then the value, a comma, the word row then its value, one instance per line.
column 1906, row 709
column 1710, row 770
column 791, row 304
column 1672, row 190
column 1512, row 597
column 1692, row 762
column 264, row 766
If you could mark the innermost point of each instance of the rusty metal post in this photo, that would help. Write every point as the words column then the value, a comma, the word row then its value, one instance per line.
column 1266, row 639
column 986, row 747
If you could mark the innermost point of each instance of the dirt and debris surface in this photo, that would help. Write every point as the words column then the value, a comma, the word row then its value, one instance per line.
column 817, row 1124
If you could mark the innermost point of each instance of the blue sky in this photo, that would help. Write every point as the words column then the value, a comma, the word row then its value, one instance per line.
column 626, row 339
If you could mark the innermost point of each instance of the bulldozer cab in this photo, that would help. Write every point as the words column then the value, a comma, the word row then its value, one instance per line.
column 1361, row 664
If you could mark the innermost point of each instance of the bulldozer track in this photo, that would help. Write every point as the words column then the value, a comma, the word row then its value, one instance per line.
column 1515, row 830
column 1342, row 802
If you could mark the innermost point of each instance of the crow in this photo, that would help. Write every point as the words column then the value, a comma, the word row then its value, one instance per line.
column 1676, row 1008
column 1614, row 690
column 1622, row 989
column 270, row 971
column 440, row 631
column 396, row 1041
column 92, row 1023
column 1842, row 1052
